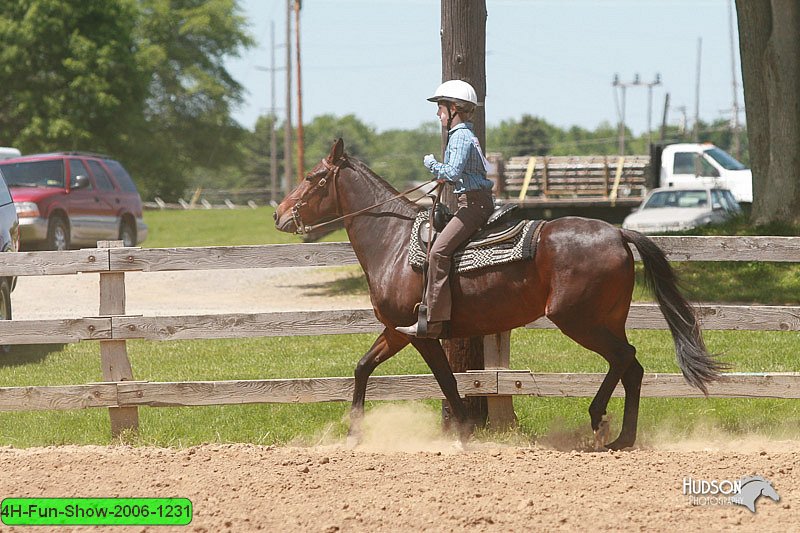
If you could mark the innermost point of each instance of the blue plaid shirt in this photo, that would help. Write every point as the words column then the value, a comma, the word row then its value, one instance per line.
column 463, row 161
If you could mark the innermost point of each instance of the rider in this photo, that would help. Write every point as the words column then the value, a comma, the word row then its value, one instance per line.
column 465, row 167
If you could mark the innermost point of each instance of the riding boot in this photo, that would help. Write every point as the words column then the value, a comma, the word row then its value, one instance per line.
column 434, row 331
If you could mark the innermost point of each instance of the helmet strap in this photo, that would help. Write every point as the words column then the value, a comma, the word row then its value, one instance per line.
column 450, row 116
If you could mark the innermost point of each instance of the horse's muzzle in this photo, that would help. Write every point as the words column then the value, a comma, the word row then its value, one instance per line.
column 285, row 222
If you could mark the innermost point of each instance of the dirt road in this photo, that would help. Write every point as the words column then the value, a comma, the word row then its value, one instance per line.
column 186, row 293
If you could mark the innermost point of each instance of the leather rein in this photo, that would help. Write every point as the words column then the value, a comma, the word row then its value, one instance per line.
column 332, row 171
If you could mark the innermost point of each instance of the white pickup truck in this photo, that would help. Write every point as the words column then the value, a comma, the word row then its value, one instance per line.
column 702, row 164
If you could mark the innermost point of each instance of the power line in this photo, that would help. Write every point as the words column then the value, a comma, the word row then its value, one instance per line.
column 622, row 87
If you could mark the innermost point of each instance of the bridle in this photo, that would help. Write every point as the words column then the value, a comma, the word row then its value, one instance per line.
column 332, row 171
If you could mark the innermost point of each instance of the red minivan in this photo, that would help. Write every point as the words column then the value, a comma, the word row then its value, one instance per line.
column 73, row 199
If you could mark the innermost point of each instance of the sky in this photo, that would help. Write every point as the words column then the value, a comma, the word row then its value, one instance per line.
column 555, row 59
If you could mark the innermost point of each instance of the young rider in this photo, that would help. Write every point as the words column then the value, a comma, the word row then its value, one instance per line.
column 465, row 168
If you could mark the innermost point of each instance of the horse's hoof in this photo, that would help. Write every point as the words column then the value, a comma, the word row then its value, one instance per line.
column 459, row 446
column 619, row 444
column 602, row 433
column 352, row 442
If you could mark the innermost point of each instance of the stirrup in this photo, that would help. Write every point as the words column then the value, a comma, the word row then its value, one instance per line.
column 422, row 320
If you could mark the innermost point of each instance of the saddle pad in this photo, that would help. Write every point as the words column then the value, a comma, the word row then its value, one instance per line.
column 520, row 245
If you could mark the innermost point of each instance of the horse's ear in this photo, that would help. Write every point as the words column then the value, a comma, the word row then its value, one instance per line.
column 337, row 150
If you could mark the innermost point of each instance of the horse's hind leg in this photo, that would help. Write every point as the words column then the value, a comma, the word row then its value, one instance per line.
column 632, row 381
column 436, row 359
column 388, row 343
column 621, row 357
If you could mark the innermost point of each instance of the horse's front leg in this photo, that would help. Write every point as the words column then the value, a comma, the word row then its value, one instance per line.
column 388, row 343
column 433, row 353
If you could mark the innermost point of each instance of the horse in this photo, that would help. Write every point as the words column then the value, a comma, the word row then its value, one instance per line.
column 581, row 278
column 753, row 487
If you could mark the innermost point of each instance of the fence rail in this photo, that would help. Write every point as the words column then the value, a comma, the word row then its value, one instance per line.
column 123, row 395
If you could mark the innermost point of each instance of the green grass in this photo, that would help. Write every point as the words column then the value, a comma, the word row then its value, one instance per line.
column 544, row 419
column 537, row 350
column 219, row 227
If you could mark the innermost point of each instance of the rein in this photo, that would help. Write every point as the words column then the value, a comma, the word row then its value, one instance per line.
column 333, row 170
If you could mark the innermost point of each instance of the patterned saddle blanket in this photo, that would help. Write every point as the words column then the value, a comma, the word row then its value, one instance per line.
column 493, row 245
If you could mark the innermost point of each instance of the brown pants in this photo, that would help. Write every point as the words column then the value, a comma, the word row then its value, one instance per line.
column 474, row 208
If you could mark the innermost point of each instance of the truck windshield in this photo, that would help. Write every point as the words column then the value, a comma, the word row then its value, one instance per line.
column 34, row 174
column 725, row 159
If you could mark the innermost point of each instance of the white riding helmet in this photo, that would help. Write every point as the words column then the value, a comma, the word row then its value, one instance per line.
column 457, row 91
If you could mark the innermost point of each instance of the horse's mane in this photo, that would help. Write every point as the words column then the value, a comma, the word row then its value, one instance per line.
column 361, row 167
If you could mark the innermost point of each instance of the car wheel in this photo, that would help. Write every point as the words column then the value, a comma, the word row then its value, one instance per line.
column 127, row 234
column 58, row 234
column 5, row 306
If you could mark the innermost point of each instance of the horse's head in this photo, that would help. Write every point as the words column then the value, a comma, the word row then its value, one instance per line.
column 314, row 199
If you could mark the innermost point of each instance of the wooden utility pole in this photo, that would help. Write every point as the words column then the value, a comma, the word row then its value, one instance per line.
column 696, row 132
column 273, row 140
column 300, row 136
column 287, row 127
column 463, row 35
column 464, row 52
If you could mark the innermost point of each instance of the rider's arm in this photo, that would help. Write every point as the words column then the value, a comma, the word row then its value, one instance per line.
column 458, row 148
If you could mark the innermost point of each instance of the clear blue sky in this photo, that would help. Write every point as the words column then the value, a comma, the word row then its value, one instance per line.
column 380, row 59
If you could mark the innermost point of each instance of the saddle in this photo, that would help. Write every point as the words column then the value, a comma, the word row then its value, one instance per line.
column 499, row 241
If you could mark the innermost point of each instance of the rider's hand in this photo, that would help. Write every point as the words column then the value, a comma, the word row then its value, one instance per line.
column 429, row 161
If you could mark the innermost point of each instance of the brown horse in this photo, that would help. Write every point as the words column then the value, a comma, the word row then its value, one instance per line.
column 581, row 278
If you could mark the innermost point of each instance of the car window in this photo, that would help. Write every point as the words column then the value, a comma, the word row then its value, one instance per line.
column 683, row 163
column 35, row 173
column 678, row 198
column 707, row 169
column 76, row 168
column 5, row 195
column 121, row 175
column 725, row 199
column 100, row 175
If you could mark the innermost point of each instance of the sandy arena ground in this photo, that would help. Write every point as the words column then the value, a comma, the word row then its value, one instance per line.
column 405, row 476
column 487, row 487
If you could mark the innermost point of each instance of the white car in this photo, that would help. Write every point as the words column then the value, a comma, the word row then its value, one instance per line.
column 679, row 209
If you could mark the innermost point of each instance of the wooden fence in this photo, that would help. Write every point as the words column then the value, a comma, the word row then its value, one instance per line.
column 122, row 395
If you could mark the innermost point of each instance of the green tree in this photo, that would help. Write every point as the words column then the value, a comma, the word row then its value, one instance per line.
column 397, row 154
column 325, row 129
column 256, row 164
column 142, row 80
column 186, row 122
column 528, row 136
column 69, row 78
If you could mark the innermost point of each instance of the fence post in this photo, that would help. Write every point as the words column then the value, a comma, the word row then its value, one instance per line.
column 497, row 355
column 114, row 354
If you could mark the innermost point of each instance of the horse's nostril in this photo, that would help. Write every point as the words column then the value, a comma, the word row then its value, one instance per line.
column 275, row 216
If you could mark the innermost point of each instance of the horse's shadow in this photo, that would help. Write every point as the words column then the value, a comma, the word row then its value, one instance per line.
column 348, row 285
column 24, row 354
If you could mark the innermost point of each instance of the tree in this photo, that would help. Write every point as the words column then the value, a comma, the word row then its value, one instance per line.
column 68, row 76
column 142, row 80
column 324, row 129
column 396, row 155
column 770, row 54
column 528, row 136
column 186, row 122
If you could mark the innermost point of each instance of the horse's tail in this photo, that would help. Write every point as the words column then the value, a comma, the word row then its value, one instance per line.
column 697, row 365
